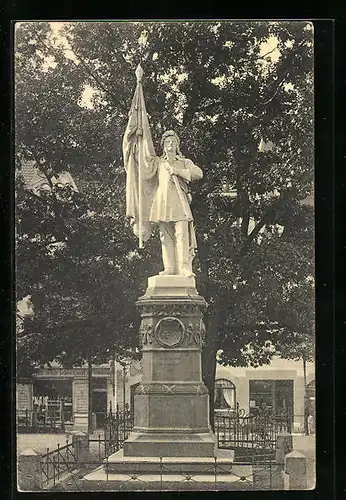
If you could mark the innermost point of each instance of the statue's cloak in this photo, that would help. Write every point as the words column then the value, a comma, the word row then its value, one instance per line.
column 138, row 153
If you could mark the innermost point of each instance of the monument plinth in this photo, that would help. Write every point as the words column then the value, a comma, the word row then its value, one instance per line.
column 171, row 408
column 172, row 440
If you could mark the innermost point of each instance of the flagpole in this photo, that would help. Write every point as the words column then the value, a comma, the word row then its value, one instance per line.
column 139, row 74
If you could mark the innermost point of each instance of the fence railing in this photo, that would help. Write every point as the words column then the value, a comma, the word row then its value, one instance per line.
column 261, row 475
column 117, row 429
column 59, row 461
column 250, row 435
column 62, row 469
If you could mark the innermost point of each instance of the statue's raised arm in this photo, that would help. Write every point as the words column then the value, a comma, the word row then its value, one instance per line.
column 157, row 189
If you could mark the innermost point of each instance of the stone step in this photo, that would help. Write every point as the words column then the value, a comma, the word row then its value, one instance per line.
column 117, row 463
column 100, row 480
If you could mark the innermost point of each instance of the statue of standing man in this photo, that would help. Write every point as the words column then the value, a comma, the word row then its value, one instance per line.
column 157, row 189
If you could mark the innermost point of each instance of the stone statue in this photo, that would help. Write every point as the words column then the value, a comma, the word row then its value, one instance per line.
column 157, row 189
column 171, row 205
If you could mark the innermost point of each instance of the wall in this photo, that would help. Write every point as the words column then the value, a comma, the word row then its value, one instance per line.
column 279, row 369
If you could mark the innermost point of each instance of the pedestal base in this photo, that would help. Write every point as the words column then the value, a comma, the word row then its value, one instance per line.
column 119, row 463
column 170, row 445
column 170, row 474
column 171, row 286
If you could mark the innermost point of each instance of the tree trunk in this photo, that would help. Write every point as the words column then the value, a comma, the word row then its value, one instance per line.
column 90, row 393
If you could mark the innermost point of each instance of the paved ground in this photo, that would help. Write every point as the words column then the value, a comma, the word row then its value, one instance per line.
column 306, row 445
column 40, row 442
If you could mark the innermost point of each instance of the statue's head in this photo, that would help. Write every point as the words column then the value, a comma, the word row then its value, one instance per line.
column 170, row 142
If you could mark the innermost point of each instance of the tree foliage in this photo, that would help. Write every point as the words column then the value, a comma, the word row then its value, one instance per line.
column 225, row 94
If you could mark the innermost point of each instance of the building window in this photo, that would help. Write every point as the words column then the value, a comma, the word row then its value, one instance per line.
column 49, row 395
column 274, row 397
column 224, row 395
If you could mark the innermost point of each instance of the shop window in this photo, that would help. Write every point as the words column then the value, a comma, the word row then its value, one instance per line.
column 274, row 397
column 224, row 395
column 51, row 396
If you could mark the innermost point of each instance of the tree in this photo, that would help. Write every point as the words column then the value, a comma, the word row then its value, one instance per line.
column 224, row 93
column 74, row 256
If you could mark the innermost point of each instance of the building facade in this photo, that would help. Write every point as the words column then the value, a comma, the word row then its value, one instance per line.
column 279, row 388
column 55, row 387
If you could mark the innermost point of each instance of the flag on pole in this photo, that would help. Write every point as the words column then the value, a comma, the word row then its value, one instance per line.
column 138, row 153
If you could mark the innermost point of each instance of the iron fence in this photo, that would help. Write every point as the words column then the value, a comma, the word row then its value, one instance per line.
column 117, row 429
column 163, row 477
column 250, row 436
column 57, row 462
column 253, row 440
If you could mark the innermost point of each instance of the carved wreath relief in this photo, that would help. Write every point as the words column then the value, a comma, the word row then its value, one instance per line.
column 171, row 332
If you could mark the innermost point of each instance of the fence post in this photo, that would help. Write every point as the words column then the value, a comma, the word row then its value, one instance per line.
column 295, row 467
column 284, row 445
column 29, row 471
column 80, row 442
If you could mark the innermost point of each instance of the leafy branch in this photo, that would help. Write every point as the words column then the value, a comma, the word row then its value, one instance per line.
column 86, row 67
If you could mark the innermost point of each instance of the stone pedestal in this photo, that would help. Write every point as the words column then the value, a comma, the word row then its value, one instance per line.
column 295, row 467
column 171, row 405
column 284, row 445
column 80, row 442
column 172, row 442
column 29, row 471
